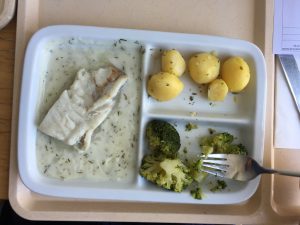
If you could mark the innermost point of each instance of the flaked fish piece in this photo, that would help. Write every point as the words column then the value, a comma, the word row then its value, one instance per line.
column 82, row 108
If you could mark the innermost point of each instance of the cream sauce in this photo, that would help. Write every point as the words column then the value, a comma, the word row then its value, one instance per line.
column 112, row 155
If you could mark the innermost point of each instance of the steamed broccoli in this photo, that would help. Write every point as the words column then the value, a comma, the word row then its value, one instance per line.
column 220, row 185
column 163, row 138
column 168, row 173
column 216, row 140
column 195, row 171
column 221, row 143
column 190, row 126
column 236, row 149
column 206, row 150
column 197, row 193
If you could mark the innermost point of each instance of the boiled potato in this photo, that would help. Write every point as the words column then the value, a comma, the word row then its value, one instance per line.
column 204, row 67
column 217, row 90
column 164, row 86
column 236, row 73
column 173, row 62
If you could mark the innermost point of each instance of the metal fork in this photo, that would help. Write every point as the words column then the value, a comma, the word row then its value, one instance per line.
column 237, row 167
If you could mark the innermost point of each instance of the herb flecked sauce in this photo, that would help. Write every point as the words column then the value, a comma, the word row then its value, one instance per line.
column 113, row 152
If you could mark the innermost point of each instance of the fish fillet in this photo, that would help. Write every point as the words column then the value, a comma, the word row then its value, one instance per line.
column 82, row 108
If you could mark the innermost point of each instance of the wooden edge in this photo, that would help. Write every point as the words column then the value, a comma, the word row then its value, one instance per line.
column 22, row 13
column 286, row 190
column 254, row 216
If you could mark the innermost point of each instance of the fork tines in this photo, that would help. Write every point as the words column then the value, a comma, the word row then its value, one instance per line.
column 215, row 156
column 215, row 164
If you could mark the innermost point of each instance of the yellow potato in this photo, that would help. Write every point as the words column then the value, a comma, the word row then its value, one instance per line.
column 236, row 73
column 217, row 90
column 204, row 68
column 173, row 62
column 164, row 86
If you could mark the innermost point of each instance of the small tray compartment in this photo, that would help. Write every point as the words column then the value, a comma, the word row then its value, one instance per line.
column 193, row 99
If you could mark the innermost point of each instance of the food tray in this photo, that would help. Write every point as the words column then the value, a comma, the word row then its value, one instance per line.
column 7, row 10
column 242, row 115
column 247, row 20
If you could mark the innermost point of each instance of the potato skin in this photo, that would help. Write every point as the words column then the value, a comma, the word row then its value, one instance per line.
column 236, row 73
column 173, row 62
column 164, row 86
column 217, row 90
column 204, row 68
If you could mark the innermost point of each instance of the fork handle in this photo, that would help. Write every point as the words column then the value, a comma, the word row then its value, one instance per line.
column 282, row 172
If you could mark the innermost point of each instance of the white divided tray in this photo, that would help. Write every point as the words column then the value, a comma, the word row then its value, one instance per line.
column 242, row 115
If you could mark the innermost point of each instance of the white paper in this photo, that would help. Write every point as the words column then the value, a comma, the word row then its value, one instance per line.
column 286, row 37
column 287, row 117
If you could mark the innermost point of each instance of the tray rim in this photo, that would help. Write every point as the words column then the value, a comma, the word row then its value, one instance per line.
column 262, row 213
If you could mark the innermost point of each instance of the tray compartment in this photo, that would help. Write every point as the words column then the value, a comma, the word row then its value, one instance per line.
column 55, row 60
column 190, row 142
column 193, row 99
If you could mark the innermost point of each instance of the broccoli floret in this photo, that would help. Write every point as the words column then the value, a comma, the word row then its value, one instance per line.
column 168, row 173
column 206, row 150
column 206, row 141
column 197, row 193
column 163, row 138
column 234, row 149
column 222, row 138
column 216, row 139
column 241, row 149
column 220, row 185
column 190, row 126
column 221, row 143
column 195, row 171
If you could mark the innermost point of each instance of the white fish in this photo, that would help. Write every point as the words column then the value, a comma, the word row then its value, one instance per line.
column 81, row 109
